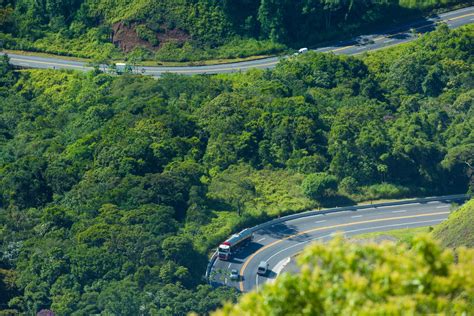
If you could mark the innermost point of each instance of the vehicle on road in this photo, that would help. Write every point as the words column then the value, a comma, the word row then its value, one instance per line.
column 235, row 242
column 234, row 275
column 262, row 268
column 364, row 40
column 302, row 50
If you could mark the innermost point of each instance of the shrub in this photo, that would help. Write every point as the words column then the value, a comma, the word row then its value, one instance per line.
column 308, row 164
column 349, row 186
column 385, row 190
column 319, row 185
column 147, row 34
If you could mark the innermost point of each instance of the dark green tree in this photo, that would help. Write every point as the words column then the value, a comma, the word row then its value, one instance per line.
column 318, row 186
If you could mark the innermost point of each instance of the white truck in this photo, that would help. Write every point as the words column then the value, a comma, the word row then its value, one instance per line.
column 229, row 247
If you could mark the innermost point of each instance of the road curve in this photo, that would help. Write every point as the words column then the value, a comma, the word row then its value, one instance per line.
column 276, row 244
column 356, row 46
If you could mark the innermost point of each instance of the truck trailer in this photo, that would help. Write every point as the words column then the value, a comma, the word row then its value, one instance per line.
column 236, row 241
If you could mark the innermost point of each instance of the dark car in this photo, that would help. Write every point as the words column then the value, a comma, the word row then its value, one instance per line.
column 365, row 41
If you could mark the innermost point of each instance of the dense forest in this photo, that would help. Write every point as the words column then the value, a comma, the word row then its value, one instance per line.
column 115, row 189
column 190, row 30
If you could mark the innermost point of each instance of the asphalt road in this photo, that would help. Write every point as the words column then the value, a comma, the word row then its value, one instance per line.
column 278, row 243
column 356, row 46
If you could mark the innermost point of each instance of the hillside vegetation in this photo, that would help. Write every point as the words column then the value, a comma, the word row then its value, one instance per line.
column 458, row 230
column 114, row 189
column 372, row 279
column 190, row 30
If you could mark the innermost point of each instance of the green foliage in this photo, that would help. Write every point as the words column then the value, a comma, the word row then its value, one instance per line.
column 7, row 76
column 385, row 190
column 7, row 288
column 116, row 188
column 343, row 278
column 319, row 185
column 457, row 230
column 234, row 48
column 349, row 186
column 233, row 186
column 147, row 34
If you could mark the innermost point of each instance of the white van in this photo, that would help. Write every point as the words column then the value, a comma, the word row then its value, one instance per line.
column 302, row 50
column 262, row 268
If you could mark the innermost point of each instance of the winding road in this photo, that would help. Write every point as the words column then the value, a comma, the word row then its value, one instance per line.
column 356, row 46
column 278, row 243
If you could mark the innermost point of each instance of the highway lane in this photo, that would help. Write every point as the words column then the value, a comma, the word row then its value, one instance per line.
column 356, row 46
column 278, row 243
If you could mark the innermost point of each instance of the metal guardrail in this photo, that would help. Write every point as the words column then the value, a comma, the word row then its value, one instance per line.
column 456, row 197
column 210, row 265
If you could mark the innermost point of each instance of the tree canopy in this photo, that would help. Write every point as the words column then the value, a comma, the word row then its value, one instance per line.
column 318, row 185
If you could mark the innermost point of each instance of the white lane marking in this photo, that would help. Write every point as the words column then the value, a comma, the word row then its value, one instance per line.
column 352, row 231
column 256, row 282
column 304, row 218
column 454, row 12
column 15, row 59
column 379, row 208
column 228, row 267
column 392, row 225
column 389, row 206
column 279, row 267
column 389, row 40
column 432, row 202
column 442, row 206
column 294, row 220
column 471, row 19
column 356, row 216
column 401, row 211
column 320, row 221
column 360, row 48
column 261, row 239
column 297, row 244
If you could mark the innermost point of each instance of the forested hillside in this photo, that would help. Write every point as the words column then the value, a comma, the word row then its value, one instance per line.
column 114, row 189
column 184, row 30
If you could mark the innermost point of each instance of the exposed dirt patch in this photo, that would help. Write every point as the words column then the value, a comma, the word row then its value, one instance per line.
column 126, row 38
column 174, row 35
